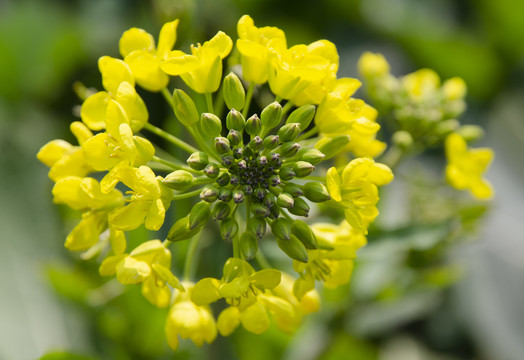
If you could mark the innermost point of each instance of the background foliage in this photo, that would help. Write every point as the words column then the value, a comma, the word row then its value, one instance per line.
column 52, row 302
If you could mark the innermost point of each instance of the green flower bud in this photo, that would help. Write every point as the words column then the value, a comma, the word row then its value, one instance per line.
column 257, row 225
column 223, row 179
column 179, row 180
column 180, row 230
column 209, row 194
column 253, row 125
column 184, row 108
column 293, row 190
column 303, row 115
column 303, row 169
column 221, row 210
column 402, row 139
column 271, row 142
column 238, row 196
column 313, row 156
column 248, row 245
column 235, row 120
column 293, row 248
column 286, row 173
column 289, row 132
column 269, row 200
column 234, row 137
column 446, row 127
column 228, row 160
column 228, row 228
column 316, row 192
column 210, row 125
column 275, row 190
column 332, row 146
column 225, row 195
column 271, row 115
column 471, row 132
column 304, row 233
column 274, row 180
column 300, row 207
column 274, row 213
column 256, row 143
column 199, row 215
column 212, row 170
column 289, row 149
column 259, row 210
column 234, row 93
column 222, row 145
column 198, row 160
column 281, row 228
column 285, row 200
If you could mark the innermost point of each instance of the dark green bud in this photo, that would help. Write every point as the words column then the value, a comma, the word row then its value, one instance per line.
column 303, row 115
column 259, row 194
column 248, row 152
column 212, row 170
column 225, row 195
column 184, row 108
column 293, row 190
column 256, row 143
column 285, row 200
column 269, row 200
column 276, row 190
column 274, row 213
column 238, row 153
column 248, row 190
column 316, row 192
column 286, row 173
column 180, row 230
column 303, row 168
column 300, row 207
column 281, row 228
column 293, row 248
column 274, row 160
column 198, row 160
column 234, row 137
column 289, row 149
column 257, row 225
column 220, row 211
column 228, row 228
column 222, row 145
column 248, row 245
column 274, row 180
column 238, row 196
column 199, row 215
column 289, row 132
column 271, row 115
column 179, row 180
column 209, row 194
column 332, row 146
column 223, row 179
column 259, row 210
column 228, row 160
column 304, row 233
column 253, row 125
column 234, row 93
column 312, row 156
column 271, row 142
column 235, row 120
column 210, row 125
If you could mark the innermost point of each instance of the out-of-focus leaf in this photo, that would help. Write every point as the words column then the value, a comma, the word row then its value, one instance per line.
column 346, row 347
column 69, row 283
column 65, row 355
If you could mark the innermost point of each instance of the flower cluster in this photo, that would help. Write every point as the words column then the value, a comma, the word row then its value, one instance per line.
column 251, row 175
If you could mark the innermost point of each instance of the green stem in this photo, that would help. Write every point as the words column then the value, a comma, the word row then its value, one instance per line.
column 286, row 215
column 168, row 97
column 186, row 195
column 191, row 256
column 278, row 98
column 172, row 165
column 249, row 96
column 287, row 107
column 262, row 260
column 209, row 102
column 171, row 138
column 317, row 178
column 236, row 250
column 195, row 133
column 308, row 134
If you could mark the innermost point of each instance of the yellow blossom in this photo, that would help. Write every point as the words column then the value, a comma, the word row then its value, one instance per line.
column 465, row 167
column 371, row 65
column 202, row 70
column 252, row 46
column 421, row 84
column 139, row 52
column 356, row 190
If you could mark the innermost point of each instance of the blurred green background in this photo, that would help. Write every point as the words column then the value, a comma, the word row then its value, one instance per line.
column 50, row 302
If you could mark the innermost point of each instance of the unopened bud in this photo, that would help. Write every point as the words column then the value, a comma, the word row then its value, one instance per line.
column 271, row 142
column 303, row 115
column 402, row 139
column 274, row 180
column 238, row 153
column 180, row 230
column 228, row 228
column 212, row 170
column 269, row 200
column 253, row 125
column 274, row 213
column 446, row 127
column 257, row 225
column 316, row 192
column 293, row 190
column 303, row 168
column 286, row 173
column 238, row 196
column 271, row 115
column 223, row 179
column 184, row 108
column 179, row 180
column 281, row 228
column 313, row 156
column 471, row 132
column 248, row 245
column 198, row 160
column 332, row 146
column 222, row 145
column 248, row 190
column 210, row 125
column 220, row 211
column 289, row 132
column 285, row 200
column 199, row 215
column 234, row 137
column 304, row 233
column 259, row 210
column 289, row 149
column 225, row 195
column 293, row 248
column 234, row 93
column 300, row 207
column 256, row 143
column 209, row 194
column 235, row 120
column 228, row 160
column 259, row 194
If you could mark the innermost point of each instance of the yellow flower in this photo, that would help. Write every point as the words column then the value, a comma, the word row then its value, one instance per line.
column 139, row 52
column 252, row 46
column 119, row 83
column 84, row 194
column 149, row 201
column 202, row 70
column 116, row 146
column 65, row 159
column 333, row 266
column 189, row 320
column 356, row 190
column 339, row 114
column 465, row 167
column 371, row 65
column 148, row 264
column 421, row 84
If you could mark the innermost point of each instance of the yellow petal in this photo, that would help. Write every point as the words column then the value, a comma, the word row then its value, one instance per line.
column 118, row 242
column 133, row 105
column 220, row 44
column 146, row 70
column 156, row 215
column 266, row 278
column 108, row 266
column 93, row 110
column 114, row 72
column 86, row 233
column 333, row 184
column 70, row 165
column 167, row 38
column 228, row 320
column 115, row 116
column 129, row 217
column 205, row 291
column 160, row 296
column 98, row 154
column 67, row 191
column 178, row 62
column 80, row 131
column 53, row 151
column 255, row 318
column 136, row 39
column 131, row 271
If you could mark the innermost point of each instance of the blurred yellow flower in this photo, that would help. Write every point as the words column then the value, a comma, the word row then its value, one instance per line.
column 372, row 64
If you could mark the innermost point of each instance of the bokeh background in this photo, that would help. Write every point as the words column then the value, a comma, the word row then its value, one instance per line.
column 51, row 302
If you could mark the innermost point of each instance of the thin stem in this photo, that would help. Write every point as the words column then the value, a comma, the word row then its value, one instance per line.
column 191, row 256
column 209, row 102
column 286, row 215
column 249, row 96
column 262, row 260
column 308, row 134
column 172, row 165
column 287, row 107
column 317, row 178
column 236, row 250
column 171, row 138
column 278, row 98
column 186, row 195
column 168, row 97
